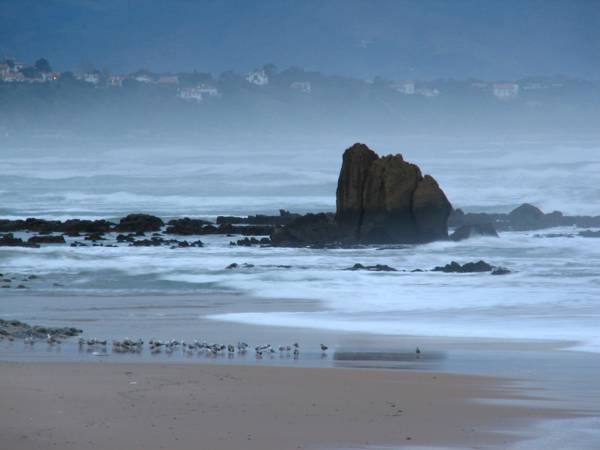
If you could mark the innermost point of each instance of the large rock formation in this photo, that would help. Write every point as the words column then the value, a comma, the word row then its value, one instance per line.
column 387, row 200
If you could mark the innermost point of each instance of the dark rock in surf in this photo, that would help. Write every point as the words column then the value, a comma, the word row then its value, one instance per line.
column 589, row 234
column 526, row 217
column 238, row 266
column 139, row 223
column 46, row 239
column 186, row 226
column 249, row 242
column 469, row 231
column 285, row 217
column 375, row 268
column 94, row 237
column 76, row 226
column 500, row 271
column 470, row 267
column 244, row 230
column 523, row 218
column 310, row 229
column 9, row 240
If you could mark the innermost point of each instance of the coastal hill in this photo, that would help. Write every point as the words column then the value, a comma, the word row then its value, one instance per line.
column 187, row 107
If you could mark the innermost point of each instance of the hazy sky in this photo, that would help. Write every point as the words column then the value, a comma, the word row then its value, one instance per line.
column 393, row 38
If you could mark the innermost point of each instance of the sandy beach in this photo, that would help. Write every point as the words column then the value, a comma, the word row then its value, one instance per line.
column 171, row 406
column 367, row 391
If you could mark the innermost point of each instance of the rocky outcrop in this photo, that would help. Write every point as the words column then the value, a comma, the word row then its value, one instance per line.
column 430, row 209
column 310, row 229
column 139, row 222
column 589, row 234
column 374, row 268
column 46, row 239
column 357, row 161
column 387, row 200
column 21, row 330
column 186, row 226
column 526, row 217
column 71, row 226
column 470, row 267
column 9, row 240
column 285, row 217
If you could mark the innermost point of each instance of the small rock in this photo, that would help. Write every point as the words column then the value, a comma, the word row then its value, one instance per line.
column 500, row 271
column 470, row 267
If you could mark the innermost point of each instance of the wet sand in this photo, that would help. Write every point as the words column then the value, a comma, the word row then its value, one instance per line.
column 172, row 406
column 65, row 397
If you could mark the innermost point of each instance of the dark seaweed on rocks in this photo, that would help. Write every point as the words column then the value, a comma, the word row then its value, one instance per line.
column 20, row 330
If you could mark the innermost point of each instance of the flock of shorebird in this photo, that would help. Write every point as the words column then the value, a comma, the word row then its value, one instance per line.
column 99, row 347
column 190, row 348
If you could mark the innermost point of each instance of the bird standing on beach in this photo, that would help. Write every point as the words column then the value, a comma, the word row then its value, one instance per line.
column 51, row 340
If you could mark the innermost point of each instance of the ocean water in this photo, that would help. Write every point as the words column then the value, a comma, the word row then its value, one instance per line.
column 551, row 294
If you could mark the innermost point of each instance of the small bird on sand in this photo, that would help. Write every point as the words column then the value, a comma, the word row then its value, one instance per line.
column 51, row 340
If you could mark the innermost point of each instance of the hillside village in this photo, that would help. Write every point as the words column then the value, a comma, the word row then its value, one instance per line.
column 196, row 86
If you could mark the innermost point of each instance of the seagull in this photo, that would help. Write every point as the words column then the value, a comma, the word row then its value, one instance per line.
column 51, row 340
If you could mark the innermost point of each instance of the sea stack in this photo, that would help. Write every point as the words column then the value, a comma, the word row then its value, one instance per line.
column 383, row 200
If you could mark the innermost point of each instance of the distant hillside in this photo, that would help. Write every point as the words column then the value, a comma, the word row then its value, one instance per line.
column 359, row 38
column 292, row 101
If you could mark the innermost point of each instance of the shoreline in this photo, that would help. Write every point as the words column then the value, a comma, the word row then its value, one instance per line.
column 175, row 406
column 520, row 386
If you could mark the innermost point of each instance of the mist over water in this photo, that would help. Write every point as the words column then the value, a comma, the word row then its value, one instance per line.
column 297, row 174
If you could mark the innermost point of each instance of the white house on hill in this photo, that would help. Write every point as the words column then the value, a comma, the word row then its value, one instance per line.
column 197, row 93
column 505, row 91
column 259, row 77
